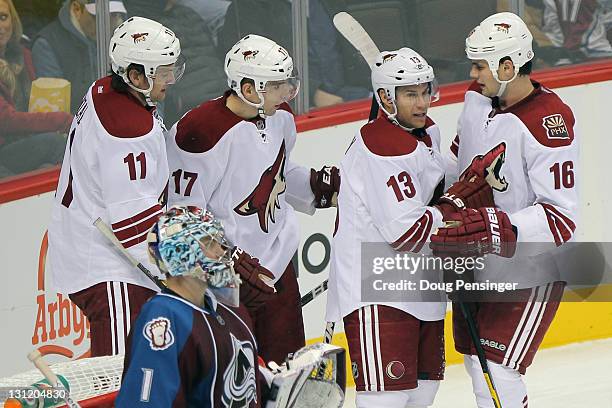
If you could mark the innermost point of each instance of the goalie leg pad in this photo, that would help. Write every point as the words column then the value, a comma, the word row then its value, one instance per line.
column 508, row 382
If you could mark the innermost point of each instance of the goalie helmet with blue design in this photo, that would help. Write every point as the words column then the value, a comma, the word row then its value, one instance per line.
column 189, row 241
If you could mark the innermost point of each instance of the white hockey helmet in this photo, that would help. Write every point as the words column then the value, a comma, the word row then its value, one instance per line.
column 403, row 67
column 498, row 36
column 139, row 40
column 266, row 63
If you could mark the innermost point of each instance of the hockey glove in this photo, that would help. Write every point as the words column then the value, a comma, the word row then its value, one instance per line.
column 256, row 288
column 471, row 191
column 325, row 185
column 473, row 232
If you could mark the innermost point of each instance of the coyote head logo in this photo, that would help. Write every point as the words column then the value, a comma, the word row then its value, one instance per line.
column 263, row 200
column 249, row 55
column 139, row 37
column 503, row 27
column 489, row 166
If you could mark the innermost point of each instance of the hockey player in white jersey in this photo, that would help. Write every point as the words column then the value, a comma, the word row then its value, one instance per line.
column 521, row 135
column 392, row 175
column 232, row 156
column 115, row 168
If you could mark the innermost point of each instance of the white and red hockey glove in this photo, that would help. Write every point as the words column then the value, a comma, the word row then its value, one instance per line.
column 471, row 191
column 256, row 288
column 325, row 185
column 473, row 232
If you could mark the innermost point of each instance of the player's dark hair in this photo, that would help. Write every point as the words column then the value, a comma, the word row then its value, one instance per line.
column 117, row 82
column 524, row 70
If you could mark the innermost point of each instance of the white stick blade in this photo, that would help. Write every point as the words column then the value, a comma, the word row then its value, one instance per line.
column 357, row 36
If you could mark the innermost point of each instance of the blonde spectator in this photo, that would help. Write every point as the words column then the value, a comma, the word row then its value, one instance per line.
column 27, row 140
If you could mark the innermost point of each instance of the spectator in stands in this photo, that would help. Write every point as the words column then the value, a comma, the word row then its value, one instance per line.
column 66, row 48
column 27, row 140
column 36, row 14
column 578, row 29
column 326, row 72
column 204, row 78
column 211, row 11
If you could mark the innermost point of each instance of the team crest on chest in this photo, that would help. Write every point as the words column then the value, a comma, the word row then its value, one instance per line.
column 490, row 164
column 239, row 377
column 159, row 333
column 264, row 199
column 555, row 127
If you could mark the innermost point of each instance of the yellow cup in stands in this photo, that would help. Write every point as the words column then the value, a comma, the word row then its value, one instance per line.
column 50, row 95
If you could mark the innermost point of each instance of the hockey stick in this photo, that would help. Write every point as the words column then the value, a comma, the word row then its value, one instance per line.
column 359, row 38
column 36, row 358
column 473, row 330
column 108, row 233
column 308, row 297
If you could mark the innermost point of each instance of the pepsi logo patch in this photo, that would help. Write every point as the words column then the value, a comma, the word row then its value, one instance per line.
column 395, row 370
column 555, row 126
column 159, row 333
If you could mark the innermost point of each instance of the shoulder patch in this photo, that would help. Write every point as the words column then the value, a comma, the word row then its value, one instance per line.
column 121, row 115
column 203, row 127
column 383, row 138
column 158, row 332
column 549, row 120
column 555, row 126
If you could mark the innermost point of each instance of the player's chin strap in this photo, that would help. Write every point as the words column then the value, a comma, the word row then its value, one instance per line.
column 259, row 106
column 313, row 377
column 145, row 92
column 504, row 84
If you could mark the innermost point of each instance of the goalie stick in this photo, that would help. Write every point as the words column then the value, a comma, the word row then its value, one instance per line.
column 36, row 358
column 110, row 235
column 359, row 38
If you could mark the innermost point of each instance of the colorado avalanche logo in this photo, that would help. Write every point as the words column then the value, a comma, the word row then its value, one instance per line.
column 139, row 37
column 249, row 55
column 263, row 201
column 490, row 165
column 503, row 27
column 239, row 377
column 159, row 333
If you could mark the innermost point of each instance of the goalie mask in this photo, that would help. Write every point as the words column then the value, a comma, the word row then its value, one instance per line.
column 498, row 36
column 267, row 64
column 189, row 241
column 145, row 42
column 393, row 69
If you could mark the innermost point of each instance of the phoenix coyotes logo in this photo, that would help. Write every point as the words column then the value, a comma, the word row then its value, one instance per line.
column 239, row 377
column 490, row 164
column 249, row 55
column 503, row 27
column 388, row 57
column 139, row 37
column 555, row 127
column 263, row 201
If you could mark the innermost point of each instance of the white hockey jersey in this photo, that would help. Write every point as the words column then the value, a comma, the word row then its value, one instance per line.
column 240, row 171
column 115, row 168
column 531, row 153
column 389, row 177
